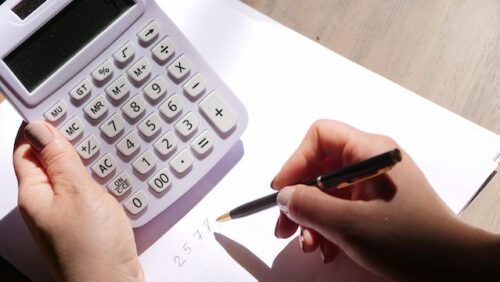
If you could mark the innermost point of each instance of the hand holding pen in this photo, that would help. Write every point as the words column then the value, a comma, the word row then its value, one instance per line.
column 394, row 224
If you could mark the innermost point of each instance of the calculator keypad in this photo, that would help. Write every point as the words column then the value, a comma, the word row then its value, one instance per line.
column 157, row 117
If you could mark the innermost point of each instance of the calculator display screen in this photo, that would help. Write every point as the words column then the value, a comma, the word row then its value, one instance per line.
column 61, row 38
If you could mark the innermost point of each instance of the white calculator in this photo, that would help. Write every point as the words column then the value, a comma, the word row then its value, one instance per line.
column 145, row 112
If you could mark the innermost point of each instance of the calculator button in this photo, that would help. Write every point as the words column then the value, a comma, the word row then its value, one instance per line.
column 166, row 143
column 203, row 143
column 129, row 144
column 56, row 112
column 118, row 89
column 97, row 107
column 187, row 125
column 156, row 88
column 145, row 162
column 179, row 68
column 136, row 203
column 164, row 50
column 161, row 181
column 195, row 86
column 134, row 107
column 140, row 70
column 218, row 112
column 182, row 161
column 120, row 184
column 88, row 147
column 81, row 90
column 103, row 71
column 72, row 129
column 112, row 126
column 104, row 166
column 171, row 107
column 125, row 53
column 150, row 125
column 149, row 32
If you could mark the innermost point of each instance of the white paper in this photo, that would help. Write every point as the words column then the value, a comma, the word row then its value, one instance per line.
column 286, row 82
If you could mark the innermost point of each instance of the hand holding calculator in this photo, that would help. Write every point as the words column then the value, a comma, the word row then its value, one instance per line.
column 147, row 115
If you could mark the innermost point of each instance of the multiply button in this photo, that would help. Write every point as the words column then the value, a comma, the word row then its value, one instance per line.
column 216, row 110
column 179, row 68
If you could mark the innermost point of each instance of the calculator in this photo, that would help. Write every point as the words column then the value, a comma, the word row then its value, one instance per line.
column 147, row 115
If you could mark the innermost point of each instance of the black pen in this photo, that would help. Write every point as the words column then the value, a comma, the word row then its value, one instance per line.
column 340, row 178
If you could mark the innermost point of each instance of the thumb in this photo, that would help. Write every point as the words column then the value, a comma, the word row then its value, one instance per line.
column 61, row 162
column 311, row 207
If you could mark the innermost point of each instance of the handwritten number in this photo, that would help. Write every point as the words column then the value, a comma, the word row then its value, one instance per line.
column 178, row 261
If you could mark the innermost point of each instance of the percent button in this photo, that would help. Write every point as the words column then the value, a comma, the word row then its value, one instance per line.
column 103, row 71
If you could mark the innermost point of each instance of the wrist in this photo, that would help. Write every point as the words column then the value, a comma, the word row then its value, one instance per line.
column 96, row 270
column 481, row 252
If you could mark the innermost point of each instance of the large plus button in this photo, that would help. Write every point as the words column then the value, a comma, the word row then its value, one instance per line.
column 217, row 111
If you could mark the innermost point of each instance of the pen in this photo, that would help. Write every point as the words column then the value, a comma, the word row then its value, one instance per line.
column 339, row 179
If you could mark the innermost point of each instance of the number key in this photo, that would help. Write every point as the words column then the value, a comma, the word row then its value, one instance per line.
column 161, row 181
column 129, row 144
column 171, row 107
column 150, row 125
column 145, row 162
column 166, row 143
column 156, row 88
column 134, row 107
column 113, row 126
column 137, row 202
column 187, row 125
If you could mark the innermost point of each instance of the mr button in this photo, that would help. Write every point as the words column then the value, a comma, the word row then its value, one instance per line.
column 218, row 113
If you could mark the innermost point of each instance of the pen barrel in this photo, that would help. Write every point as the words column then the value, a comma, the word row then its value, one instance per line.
column 254, row 206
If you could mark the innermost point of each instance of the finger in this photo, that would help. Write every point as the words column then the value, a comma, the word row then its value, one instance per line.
column 62, row 164
column 284, row 227
column 325, row 139
column 315, row 209
column 309, row 239
column 328, row 250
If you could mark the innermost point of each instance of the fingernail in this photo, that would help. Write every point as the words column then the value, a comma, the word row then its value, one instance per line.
column 301, row 239
column 276, row 228
column 322, row 253
column 326, row 257
column 272, row 184
column 38, row 135
column 284, row 197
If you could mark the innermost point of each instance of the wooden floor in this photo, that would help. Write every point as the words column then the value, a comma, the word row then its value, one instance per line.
column 447, row 51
